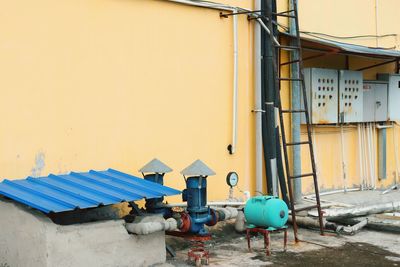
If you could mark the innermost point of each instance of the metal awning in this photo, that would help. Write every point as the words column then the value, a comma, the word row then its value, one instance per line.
column 58, row 193
column 325, row 45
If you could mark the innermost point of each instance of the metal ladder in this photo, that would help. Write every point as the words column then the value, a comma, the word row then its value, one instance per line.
column 292, row 14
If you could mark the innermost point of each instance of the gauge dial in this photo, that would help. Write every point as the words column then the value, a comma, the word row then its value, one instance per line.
column 232, row 179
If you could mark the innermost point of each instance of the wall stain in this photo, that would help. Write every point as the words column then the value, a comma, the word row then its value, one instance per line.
column 39, row 164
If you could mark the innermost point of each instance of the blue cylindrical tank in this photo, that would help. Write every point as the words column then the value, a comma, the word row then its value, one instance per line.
column 266, row 211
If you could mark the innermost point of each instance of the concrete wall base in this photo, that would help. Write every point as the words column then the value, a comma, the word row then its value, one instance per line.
column 29, row 238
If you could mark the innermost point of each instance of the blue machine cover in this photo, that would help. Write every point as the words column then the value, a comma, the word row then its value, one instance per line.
column 58, row 193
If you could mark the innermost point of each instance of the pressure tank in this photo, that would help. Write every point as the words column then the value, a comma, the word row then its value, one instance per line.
column 266, row 211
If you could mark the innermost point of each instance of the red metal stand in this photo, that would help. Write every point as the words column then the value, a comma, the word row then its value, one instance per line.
column 267, row 239
column 197, row 251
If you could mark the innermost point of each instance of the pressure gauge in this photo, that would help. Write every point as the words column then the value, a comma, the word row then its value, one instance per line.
column 232, row 179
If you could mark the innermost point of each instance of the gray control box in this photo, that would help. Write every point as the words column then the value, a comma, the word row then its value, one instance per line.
column 375, row 98
column 350, row 96
column 393, row 95
column 322, row 95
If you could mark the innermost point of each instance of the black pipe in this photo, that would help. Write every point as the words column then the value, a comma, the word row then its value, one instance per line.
column 281, row 172
column 269, row 93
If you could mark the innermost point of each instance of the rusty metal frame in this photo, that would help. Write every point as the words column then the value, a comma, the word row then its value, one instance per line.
column 380, row 64
column 337, row 51
column 328, row 53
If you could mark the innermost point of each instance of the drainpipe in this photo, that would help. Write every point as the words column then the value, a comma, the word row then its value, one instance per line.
column 382, row 153
column 374, row 145
column 233, row 144
column 235, row 84
column 295, row 104
column 268, row 99
column 360, row 161
column 257, row 100
column 376, row 24
column 396, row 150
column 343, row 159
column 270, row 131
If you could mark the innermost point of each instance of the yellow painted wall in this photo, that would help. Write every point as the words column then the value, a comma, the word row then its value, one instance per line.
column 352, row 18
column 95, row 84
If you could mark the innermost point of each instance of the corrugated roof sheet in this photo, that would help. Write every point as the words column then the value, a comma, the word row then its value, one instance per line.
column 58, row 193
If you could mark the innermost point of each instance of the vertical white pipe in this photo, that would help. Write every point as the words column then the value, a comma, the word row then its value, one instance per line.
column 364, row 158
column 363, row 153
column 360, row 167
column 371, row 171
column 235, row 83
column 376, row 24
column 396, row 151
column 374, row 154
column 343, row 159
column 369, row 154
column 257, row 100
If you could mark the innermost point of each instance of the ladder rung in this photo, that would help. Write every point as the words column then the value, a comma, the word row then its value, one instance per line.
column 298, row 143
column 288, row 47
column 285, row 15
column 301, row 175
column 306, row 208
column 283, row 12
column 290, row 79
column 290, row 62
column 293, row 110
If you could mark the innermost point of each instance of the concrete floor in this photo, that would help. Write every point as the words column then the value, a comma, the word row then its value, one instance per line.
column 367, row 248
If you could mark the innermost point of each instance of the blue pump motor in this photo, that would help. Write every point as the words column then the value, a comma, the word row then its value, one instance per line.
column 156, row 205
column 196, row 196
column 155, row 170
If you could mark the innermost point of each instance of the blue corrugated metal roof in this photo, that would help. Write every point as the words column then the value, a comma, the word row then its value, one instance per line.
column 57, row 193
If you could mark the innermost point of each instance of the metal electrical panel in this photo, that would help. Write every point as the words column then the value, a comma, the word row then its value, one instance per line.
column 350, row 96
column 393, row 94
column 322, row 95
column 375, row 98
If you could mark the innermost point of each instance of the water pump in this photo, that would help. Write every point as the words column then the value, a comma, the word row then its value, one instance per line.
column 195, row 194
column 154, row 172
